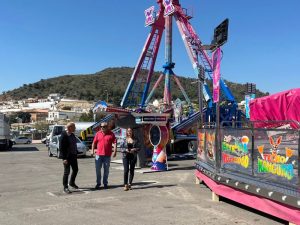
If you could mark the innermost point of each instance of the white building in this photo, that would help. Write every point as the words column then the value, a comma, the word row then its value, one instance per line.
column 54, row 97
column 62, row 115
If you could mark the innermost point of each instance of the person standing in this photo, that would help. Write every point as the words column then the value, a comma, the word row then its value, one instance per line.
column 105, row 141
column 129, row 150
column 68, row 153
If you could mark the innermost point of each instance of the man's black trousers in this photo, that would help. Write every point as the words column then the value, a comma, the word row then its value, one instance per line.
column 72, row 162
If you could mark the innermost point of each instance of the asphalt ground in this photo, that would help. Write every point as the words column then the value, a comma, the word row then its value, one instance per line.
column 31, row 192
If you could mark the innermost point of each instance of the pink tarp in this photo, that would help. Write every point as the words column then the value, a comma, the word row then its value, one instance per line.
column 277, row 107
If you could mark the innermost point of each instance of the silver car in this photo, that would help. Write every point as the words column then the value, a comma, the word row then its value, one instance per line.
column 53, row 147
column 21, row 140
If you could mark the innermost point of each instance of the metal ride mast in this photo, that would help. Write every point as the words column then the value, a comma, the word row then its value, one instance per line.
column 136, row 94
column 139, row 83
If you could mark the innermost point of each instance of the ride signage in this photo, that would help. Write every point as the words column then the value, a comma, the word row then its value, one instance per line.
column 216, row 75
column 149, row 14
column 151, row 118
column 169, row 7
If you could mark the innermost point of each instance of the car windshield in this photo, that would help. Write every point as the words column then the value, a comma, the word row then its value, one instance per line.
column 78, row 140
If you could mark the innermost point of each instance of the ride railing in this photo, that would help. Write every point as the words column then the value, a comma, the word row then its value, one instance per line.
column 250, row 153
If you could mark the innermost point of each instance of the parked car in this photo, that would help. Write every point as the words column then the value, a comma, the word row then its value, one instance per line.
column 53, row 147
column 21, row 140
column 120, row 134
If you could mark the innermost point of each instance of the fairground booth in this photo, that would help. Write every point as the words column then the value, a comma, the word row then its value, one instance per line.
column 256, row 163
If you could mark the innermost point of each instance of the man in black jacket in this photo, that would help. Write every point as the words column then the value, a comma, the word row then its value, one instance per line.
column 68, row 151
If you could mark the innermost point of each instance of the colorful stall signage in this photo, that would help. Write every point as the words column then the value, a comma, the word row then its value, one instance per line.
column 210, row 145
column 206, row 151
column 235, row 152
column 273, row 163
column 159, row 137
column 201, row 144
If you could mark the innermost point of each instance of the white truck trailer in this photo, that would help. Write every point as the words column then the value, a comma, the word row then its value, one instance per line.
column 5, row 142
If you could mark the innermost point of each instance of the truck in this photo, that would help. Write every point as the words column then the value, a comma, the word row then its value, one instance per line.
column 5, row 142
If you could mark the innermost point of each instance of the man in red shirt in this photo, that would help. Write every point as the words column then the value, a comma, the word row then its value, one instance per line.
column 105, row 141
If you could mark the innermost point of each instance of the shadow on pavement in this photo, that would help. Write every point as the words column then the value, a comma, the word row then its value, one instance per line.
column 182, row 168
column 228, row 201
column 24, row 149
column 153, row 186
column 135, row 185
column 246, row 208
column 181, row 157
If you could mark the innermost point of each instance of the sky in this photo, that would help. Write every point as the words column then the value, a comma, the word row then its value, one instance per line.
column 41, row 39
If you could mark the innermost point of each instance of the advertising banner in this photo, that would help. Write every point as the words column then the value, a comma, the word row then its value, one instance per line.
column 207, row 146
column 248, row 98
column 276, row 156
column 216, row 74
column 236, row 150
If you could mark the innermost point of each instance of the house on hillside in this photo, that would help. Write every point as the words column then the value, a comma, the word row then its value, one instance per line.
column 58, row 115
column 38, row 115
column 80, row 106
column 54, row 97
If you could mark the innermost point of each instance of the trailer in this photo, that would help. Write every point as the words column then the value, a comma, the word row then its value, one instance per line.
column 5, row 142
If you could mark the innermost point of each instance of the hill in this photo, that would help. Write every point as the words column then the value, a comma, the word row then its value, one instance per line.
column 108, row 84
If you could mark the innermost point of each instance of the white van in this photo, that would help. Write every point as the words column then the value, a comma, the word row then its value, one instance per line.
column 53, row 148
column 54, row 130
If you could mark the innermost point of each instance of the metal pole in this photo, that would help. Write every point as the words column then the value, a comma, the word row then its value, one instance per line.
column 201, row 77
column 168, row 60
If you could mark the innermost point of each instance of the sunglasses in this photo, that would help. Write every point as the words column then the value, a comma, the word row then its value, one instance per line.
column 103, row 126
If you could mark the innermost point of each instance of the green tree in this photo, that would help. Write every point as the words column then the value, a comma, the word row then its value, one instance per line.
column 13, row 118
column 87, row 117
column 43, row 126
column 25, row 116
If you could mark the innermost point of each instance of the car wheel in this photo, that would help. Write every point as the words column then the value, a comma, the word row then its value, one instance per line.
column 28, row 142
column 49, row 153
column 14, row 142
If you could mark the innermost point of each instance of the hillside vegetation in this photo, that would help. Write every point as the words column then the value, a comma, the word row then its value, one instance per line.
column 109, row 83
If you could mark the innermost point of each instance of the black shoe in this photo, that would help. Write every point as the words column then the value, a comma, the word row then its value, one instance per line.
column 97, row 187
column 105, row 186
column 74, row 186
column 67, row 191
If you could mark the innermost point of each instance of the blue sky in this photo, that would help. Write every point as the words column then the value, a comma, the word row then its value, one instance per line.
column 41, row 39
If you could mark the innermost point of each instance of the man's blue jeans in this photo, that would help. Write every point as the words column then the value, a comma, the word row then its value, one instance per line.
column 99, row 161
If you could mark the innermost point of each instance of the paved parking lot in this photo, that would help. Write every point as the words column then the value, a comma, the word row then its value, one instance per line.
column 31, row 193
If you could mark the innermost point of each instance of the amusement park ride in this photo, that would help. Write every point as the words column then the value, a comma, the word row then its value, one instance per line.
column 135, row 102
column 232, row 160
column 137, row 90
